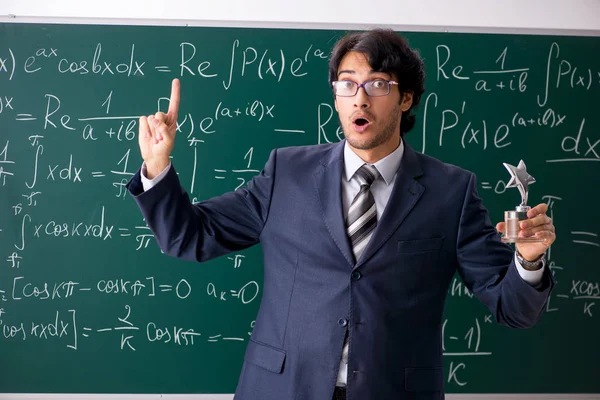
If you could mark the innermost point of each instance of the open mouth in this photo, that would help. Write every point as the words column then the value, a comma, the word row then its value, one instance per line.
column 360, row 123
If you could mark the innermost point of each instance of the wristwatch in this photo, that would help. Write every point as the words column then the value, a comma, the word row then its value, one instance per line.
column 531, row 265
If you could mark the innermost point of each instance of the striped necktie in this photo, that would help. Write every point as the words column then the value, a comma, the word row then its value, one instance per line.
column 362, row 215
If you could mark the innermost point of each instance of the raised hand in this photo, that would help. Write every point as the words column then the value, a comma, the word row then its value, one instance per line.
column 157, row 135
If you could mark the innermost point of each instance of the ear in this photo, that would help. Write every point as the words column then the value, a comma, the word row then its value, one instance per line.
column 407, row 99
column 336, row 104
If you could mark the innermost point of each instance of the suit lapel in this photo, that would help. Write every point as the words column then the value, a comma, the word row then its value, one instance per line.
column 328, row 184
column 404, row 196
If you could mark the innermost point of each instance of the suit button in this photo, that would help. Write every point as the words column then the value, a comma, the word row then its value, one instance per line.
column 342, row 322
column 356, row 275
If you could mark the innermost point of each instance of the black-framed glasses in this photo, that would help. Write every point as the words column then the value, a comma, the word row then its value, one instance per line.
column 373, row 88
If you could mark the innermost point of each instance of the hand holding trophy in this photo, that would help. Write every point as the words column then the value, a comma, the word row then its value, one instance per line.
column 521, row 180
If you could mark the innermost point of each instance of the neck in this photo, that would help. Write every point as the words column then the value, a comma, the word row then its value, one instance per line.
column 371, row 156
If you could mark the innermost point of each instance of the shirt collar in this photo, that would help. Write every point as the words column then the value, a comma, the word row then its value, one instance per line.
column 387, row 166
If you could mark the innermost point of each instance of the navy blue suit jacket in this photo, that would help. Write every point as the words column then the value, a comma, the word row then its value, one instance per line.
column 391, row 301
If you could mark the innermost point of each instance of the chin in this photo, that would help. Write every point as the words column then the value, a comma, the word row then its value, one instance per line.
column 362, row 143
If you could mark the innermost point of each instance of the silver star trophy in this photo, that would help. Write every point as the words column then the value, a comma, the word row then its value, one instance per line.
column 521, row 180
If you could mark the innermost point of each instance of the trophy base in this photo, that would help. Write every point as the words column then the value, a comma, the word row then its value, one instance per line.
column 512, row 220
column 532, row 239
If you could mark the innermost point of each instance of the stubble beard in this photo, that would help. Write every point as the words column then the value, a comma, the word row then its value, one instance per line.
column 379, row 138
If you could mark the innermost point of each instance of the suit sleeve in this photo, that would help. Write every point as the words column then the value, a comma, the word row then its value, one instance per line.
column 487, row 267
column 211, row 228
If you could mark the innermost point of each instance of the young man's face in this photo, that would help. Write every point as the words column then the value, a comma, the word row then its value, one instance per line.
column 371, row 124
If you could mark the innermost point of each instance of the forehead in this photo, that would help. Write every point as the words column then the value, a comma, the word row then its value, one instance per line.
column 357, row 63
column 354, row 61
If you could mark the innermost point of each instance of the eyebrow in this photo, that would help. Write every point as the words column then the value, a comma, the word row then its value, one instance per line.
column 351, row 71
column 347, row 71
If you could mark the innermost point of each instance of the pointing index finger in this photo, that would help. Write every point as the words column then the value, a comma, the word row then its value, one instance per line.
column 174, row 100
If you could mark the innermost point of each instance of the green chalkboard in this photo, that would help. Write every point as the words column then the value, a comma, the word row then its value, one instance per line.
column 89, row 304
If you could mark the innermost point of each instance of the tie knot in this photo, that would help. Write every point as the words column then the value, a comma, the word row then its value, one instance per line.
column 367, row 174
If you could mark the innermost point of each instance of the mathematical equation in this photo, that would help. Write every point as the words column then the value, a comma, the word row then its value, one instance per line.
column 65, row 327
column 245, row 60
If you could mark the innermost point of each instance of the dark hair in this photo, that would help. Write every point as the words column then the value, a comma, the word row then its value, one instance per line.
column 386, row 52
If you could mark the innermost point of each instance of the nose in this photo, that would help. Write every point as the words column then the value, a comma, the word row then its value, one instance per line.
column 361, row 99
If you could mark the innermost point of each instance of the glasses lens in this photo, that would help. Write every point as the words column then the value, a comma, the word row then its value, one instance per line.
column 377, row 88
column 344, row 88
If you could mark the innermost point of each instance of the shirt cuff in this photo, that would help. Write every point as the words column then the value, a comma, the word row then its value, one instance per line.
column 150, row 183
column 532, row 277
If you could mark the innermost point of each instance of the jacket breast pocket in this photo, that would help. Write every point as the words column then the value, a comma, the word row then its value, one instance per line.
column 420, row 245
column 265, row 356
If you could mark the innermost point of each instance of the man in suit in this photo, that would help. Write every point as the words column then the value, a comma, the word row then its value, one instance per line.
column 361, row 240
